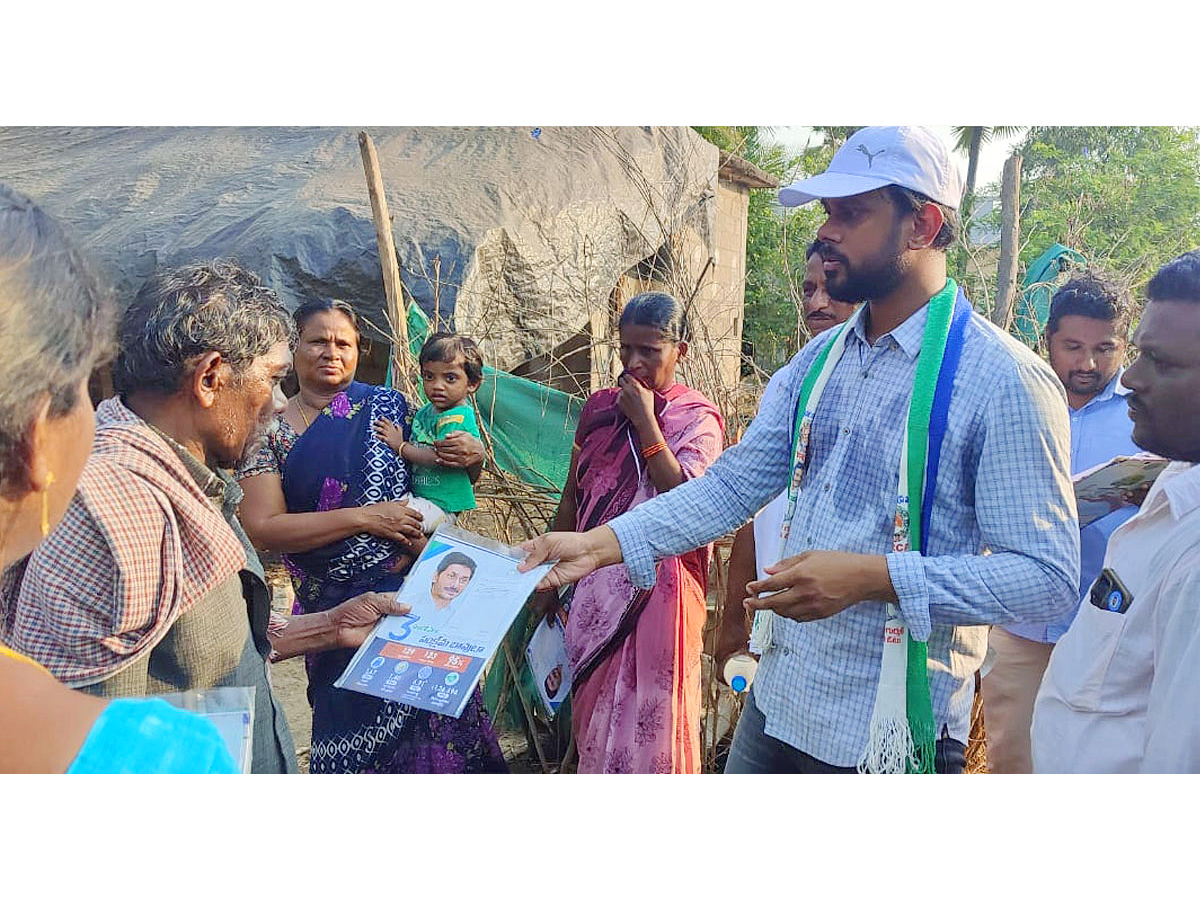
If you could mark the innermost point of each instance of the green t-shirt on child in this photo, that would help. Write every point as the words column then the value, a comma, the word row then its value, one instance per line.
column 449, row 488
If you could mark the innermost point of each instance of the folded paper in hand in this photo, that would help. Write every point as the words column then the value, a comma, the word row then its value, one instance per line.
column 1122, row 481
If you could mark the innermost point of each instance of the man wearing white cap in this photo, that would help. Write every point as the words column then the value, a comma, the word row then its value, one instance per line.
column 926, row 459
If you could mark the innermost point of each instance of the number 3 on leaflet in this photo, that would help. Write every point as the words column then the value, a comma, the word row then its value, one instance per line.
column 406, row 624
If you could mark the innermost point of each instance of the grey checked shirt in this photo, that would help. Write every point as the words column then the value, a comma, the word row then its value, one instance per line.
column 1003, row 543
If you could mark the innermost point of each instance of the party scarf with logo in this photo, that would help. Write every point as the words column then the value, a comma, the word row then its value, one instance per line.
column 902, row 735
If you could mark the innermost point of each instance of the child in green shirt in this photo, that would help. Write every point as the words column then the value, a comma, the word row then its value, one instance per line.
column 451, row 371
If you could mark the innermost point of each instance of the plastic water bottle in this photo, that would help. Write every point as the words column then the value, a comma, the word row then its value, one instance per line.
column 739, row 672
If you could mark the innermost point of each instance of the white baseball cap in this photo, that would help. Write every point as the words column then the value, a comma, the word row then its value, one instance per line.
column 910, row 156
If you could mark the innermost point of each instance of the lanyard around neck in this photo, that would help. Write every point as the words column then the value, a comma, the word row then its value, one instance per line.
column 911, row 477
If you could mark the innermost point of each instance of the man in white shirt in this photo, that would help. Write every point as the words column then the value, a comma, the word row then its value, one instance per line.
column 1087, row 332
column 1122, row 691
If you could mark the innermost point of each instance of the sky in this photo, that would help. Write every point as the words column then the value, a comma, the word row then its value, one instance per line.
column 991, row 157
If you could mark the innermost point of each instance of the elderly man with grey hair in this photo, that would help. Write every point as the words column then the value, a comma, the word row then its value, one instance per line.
column 149, row 585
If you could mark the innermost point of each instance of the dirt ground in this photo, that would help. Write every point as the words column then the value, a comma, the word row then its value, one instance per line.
column 290, row 682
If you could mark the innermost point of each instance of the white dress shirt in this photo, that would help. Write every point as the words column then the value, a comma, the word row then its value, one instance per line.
column 1122, row 691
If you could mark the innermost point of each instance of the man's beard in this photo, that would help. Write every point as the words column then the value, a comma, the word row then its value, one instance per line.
column 866, row 284
column 873, row 280
column 1086, row 388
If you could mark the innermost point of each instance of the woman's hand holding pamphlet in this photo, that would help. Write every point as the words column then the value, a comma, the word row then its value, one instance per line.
column 464, row 591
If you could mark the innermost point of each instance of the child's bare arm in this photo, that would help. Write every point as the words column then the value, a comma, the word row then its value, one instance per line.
column 390, row 433
column 420, row 454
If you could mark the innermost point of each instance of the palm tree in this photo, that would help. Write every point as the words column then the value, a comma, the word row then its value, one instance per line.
column 836, row 135
column 970, row 140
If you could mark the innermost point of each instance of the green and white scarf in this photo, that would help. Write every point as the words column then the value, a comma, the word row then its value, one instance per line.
column 902, row 734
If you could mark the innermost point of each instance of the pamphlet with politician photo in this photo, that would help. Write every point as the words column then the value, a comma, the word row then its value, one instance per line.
column 464, row 591
column 546, row 654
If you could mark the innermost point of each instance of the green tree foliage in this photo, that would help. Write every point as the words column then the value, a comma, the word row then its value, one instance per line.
column 833, row 136
column 776, row 239
column 1127, row 198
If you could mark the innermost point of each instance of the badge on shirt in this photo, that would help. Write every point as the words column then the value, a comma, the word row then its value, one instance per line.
column 1109, row 593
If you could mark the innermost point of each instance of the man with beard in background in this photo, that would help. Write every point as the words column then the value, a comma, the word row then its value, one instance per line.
column 1122, row 690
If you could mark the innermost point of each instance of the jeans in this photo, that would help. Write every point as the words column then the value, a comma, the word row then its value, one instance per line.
column 755, row 752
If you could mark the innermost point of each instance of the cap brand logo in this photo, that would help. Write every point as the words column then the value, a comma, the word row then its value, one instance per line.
column 862, row 148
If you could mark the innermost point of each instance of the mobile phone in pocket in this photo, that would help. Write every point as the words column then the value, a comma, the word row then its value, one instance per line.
column 1109, row 593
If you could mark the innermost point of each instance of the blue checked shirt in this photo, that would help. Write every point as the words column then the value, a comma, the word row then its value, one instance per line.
column 1003, row 543
column 1100, row 430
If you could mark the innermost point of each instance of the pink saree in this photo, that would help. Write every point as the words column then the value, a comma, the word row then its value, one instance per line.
column 636, row 654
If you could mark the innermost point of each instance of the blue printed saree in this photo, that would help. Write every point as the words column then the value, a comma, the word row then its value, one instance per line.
column 338, row 462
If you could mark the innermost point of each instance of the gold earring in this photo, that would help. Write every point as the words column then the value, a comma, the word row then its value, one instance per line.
column 46, row 504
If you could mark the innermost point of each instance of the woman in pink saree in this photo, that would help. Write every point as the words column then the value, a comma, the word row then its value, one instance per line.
column 634, row 654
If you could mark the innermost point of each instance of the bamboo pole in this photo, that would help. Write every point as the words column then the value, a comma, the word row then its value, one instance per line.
column 569, row 756
column 402, row 367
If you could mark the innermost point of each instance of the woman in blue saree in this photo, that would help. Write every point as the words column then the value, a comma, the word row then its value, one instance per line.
column 329, row 494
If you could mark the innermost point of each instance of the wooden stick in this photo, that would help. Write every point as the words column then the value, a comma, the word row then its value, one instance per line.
column 569, row 756
column 437, row 293
column 401, row 355
column 515, row 671
column 699, row 281
column 1010, row 230
column 505, row 682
